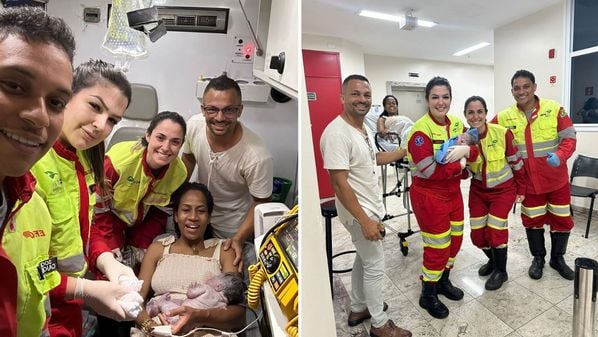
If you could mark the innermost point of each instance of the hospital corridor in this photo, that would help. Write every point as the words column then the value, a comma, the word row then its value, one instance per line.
column 522, row 307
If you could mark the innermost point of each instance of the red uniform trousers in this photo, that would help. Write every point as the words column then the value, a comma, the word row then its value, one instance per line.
column 550, row 208
column 488, row 212
column 67, row 317
column 8, row 295
column 441, row 224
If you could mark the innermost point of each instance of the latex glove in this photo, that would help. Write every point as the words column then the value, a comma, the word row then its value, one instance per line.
column 131, row 304
column 102, row 297
column 463, row 162
column 132, row 301
column 552, row 159
column 456, row 152
column 113, row 269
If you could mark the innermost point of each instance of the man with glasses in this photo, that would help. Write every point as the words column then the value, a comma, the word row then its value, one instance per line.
column 351, row 162
column 233, row 162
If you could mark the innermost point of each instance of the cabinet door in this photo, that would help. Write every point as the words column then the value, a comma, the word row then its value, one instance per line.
column 323, row 81
column 283, row 36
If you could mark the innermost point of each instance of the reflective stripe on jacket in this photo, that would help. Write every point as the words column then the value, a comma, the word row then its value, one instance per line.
column 136, row 189
column 549, row 130
column 492, row 167
column 429, row 177
column 66, row 185
column 26, row 240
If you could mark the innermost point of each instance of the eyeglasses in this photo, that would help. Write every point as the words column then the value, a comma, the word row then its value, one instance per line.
column 228, row 112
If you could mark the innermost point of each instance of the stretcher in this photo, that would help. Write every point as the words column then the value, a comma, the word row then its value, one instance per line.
column 390, row 142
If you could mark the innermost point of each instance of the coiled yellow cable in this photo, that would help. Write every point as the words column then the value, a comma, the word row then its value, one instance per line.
column 253, row 293
column 291, row 327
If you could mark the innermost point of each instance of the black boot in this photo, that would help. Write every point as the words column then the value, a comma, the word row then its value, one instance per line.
column 446, row 288
column 535, row 239
column 429, row 301
column 487, row 269
column 499, row 275
column 557, row 253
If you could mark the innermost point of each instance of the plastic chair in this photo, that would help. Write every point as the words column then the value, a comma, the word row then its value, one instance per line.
column 585, row 167
column 143, row 108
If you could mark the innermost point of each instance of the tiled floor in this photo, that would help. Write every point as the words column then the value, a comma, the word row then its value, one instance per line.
column 522, row 307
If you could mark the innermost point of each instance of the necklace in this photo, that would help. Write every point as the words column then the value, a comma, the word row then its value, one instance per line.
column 195, row 250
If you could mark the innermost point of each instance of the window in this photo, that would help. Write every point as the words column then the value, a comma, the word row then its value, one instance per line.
column 583, row 54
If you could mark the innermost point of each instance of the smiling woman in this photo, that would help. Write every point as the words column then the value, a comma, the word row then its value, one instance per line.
column 174, row 266
column 66, row 175
column 436, row 195
column 142, row 176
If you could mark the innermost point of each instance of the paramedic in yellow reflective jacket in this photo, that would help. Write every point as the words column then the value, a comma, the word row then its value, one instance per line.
column 498, row 181
column 545, row 138
column 36, row 53
column 67, row 174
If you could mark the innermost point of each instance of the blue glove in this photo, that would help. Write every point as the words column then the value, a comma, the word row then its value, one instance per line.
column 552, row 159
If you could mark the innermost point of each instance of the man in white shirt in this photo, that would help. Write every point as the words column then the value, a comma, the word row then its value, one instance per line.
column 232, row 161
column 350, row 158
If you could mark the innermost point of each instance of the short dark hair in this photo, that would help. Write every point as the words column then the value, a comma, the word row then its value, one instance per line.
column 33, row 24
column 438, row 81
column 173, row 116
column 354, row 77
column 86, row 75
column 182, row 190
column 473, row 99
column 223, row 83
column 525, row 74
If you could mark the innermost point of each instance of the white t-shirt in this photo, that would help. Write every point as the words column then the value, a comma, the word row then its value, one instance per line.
column 232, row 176
column 345, row 148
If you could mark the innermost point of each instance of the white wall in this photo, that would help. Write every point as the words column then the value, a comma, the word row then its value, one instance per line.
column 351, row 55
column 524, row 44
column 316, row 316
column 178, row 59
column 466, row 80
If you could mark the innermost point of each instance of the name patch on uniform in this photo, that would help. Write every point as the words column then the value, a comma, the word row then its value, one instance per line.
column 419, row 140
column 47, row 266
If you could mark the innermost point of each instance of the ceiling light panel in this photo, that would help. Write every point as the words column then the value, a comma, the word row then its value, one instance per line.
column 471, row 49
column 394, row 18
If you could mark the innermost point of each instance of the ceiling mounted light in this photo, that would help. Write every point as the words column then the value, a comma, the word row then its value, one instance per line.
column 407, row 22
column 472, row 48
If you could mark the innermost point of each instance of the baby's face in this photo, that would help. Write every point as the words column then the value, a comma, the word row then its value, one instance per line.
column 218, row 282
column 463, row 139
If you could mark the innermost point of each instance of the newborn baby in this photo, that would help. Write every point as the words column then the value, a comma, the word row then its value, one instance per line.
column 469, row 137
column 217, row 292
column 400, row 125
